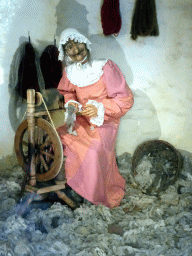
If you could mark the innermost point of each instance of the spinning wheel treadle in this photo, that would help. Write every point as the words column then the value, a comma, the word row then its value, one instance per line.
column 48, row 149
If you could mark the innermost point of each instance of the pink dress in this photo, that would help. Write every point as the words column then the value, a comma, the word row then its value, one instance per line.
column 90, row 168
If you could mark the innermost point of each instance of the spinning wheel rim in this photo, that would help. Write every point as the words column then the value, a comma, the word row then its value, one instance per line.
column 58, row 148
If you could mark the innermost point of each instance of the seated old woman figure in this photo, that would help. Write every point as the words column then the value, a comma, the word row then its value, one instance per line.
column 98, row 90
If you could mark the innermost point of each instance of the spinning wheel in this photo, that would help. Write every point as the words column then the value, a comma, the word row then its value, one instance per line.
column 48, row 149
column 39, row 150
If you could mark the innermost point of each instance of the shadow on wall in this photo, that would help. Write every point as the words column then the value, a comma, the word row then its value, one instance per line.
column 141, row 122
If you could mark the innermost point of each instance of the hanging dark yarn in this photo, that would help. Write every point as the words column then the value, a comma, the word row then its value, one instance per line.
column 110, row 17
column 25, row 72
column 51, row 67
column 144, row 21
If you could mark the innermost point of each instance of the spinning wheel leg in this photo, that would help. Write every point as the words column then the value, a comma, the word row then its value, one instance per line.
column 63, row 196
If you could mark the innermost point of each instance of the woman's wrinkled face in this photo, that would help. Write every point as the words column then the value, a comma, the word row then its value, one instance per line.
column 76, row 51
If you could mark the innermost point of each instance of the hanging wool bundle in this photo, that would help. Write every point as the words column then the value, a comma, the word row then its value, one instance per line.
column 144, row 21
column 25, row 71
column 51, row 67
column 110, row 17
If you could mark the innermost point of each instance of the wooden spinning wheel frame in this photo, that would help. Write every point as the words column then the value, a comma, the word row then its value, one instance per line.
column 39, row 150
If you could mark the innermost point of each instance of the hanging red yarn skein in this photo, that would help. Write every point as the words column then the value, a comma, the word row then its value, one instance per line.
column 110, row 17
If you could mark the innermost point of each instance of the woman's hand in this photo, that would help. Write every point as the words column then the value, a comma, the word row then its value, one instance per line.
column 89, row 110
column 75, row 105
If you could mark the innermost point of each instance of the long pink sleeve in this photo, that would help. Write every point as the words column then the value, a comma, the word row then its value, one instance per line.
column 120, row 98
column 66, row 88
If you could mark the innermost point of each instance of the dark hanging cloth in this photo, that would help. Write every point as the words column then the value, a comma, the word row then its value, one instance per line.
column 51, row 67
column 144, row 21
column 25, row 71
column 110, row 17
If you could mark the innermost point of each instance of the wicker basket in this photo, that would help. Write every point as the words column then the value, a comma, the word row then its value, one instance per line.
column 161, row 151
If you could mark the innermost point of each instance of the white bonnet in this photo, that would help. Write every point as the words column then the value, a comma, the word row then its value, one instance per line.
column 72, row 34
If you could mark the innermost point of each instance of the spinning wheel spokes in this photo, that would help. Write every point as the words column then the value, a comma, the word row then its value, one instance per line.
column 43, row 163
column 47, row 154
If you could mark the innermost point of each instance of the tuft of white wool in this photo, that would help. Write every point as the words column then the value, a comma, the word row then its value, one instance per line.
column 99, row 252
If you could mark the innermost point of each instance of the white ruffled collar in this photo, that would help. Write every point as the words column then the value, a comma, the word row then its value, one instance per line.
column 86, row 74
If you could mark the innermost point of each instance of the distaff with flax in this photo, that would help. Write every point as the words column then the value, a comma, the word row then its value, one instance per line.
column 99, row 88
